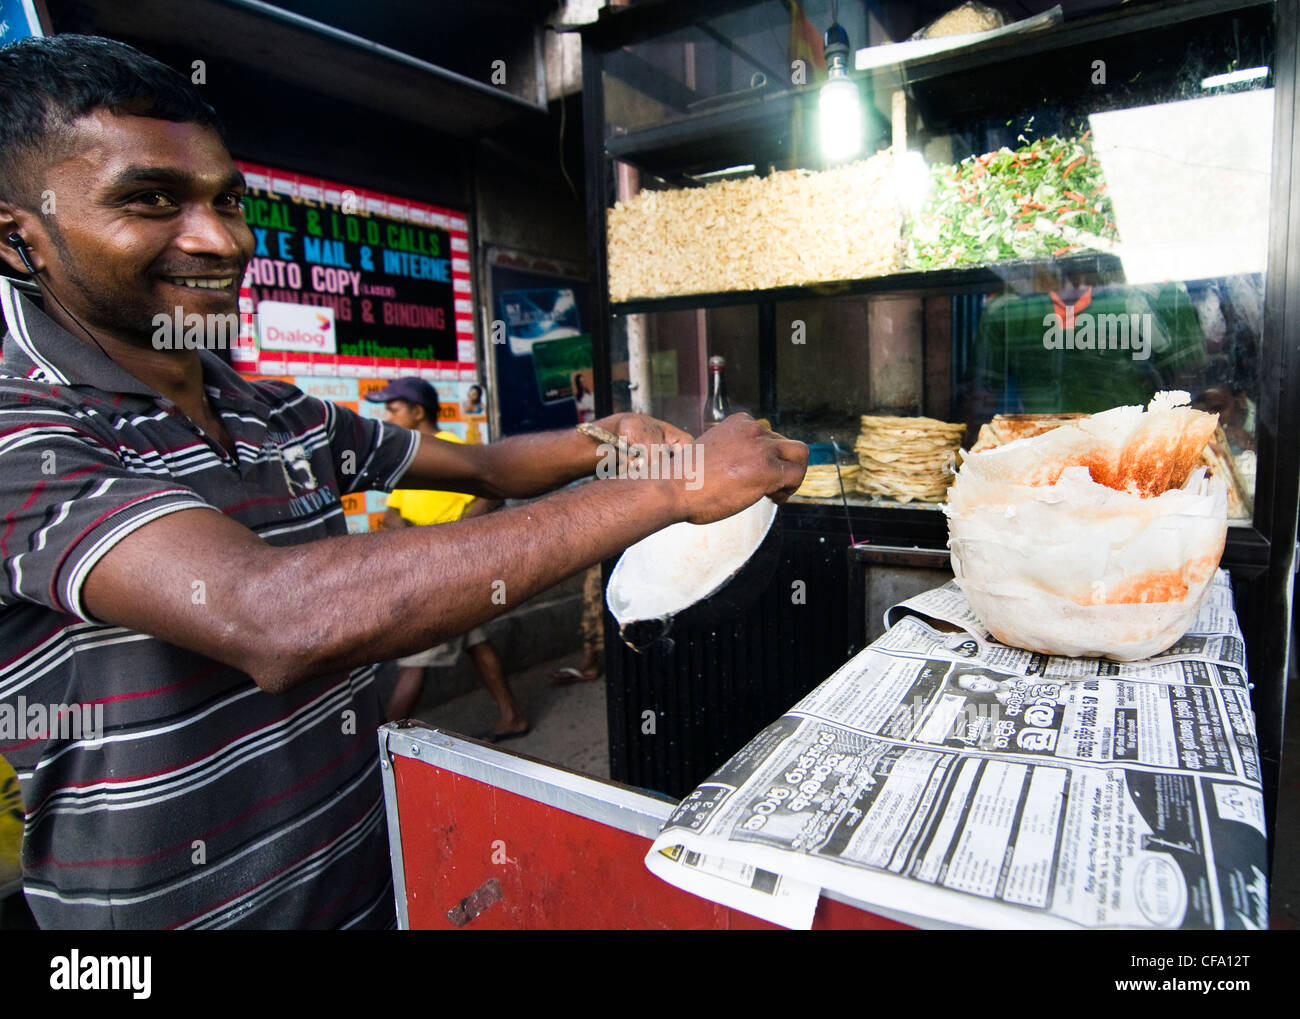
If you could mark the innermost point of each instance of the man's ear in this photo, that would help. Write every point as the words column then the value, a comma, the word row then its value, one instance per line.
column 16, row 220
column 8, row 225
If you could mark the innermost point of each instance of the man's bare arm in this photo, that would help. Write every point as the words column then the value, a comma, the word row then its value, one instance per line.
column 524, row 466
column 286, row 614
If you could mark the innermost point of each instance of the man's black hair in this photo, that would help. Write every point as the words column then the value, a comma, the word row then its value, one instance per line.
column 47, row 83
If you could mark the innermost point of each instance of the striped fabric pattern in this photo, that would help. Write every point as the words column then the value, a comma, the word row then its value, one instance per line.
column 204, row 802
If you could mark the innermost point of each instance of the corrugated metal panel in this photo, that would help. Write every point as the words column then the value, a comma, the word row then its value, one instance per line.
column 716, row 687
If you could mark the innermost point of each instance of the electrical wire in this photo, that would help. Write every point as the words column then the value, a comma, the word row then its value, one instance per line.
column 46, row 287
column 564, row 107
column 835, row 446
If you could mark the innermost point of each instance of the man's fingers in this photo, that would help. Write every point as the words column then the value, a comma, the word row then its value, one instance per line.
column 639, row 431
column 792, row 450
column 789, row 487
column 792, row 473
column 676, row 437
column 793, row 470
column 643, row 430
column 791, row 461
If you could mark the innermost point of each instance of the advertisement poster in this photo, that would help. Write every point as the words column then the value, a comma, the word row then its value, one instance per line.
column 563, row 370
column 18, row 20
column 541, row 349
column 353, row 283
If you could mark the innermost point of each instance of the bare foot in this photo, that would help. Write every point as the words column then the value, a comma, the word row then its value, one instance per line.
column 569, row 675
column 511, row 730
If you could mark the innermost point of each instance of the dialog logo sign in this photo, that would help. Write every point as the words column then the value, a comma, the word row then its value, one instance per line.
column 301, row 327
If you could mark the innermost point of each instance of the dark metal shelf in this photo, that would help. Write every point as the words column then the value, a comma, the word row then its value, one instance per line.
column 327, row 61
column 653, row 19
column 894, row 534
column 1000, row 75
column 733, row 135
column 972, row 278
column 925, row 528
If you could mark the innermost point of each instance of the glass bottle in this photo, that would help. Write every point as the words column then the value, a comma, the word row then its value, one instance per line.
column 716, row 407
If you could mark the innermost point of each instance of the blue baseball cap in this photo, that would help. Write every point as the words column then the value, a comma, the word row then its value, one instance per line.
column 410, row 389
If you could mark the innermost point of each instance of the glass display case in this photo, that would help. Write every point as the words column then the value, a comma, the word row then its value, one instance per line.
column 988, row 219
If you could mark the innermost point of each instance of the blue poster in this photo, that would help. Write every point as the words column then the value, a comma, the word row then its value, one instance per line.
column 17, row 21
column 544, row 357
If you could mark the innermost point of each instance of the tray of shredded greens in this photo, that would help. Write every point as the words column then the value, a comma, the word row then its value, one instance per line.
column 1045, row 199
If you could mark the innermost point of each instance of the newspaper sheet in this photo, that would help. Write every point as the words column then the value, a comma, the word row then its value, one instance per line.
column 942, row 775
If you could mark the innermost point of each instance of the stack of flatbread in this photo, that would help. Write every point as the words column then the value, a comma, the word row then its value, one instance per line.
column 1220, row 463
column 822, row 481
column 1006, row 428
column 907, row 458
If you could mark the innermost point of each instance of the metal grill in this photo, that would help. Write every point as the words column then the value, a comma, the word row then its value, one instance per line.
column 676, row 713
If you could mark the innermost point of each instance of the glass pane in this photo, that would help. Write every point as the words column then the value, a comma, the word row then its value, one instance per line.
column 1071, row 218
column 678, row 346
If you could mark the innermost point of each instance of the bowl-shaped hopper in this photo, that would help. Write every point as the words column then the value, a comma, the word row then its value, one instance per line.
column 693, row 573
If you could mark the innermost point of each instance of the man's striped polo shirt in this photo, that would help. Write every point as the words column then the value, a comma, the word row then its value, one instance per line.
column 202, row 801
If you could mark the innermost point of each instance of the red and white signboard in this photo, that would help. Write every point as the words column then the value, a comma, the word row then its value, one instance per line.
column 391, row 276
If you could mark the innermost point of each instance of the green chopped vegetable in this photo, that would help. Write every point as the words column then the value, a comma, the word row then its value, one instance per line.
column 1045, row 199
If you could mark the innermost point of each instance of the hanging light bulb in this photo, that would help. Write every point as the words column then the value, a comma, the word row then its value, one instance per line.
column 840, row 105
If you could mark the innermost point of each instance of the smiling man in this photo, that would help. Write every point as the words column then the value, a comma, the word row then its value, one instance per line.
column 172, row 545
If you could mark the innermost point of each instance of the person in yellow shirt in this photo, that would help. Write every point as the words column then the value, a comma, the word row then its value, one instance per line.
column 11, row 829
column 413, row 403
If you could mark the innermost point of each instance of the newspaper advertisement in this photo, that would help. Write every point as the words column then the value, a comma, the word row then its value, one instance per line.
column 944, row 777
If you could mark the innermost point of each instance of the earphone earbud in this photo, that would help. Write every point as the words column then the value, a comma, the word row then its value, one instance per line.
column 15, row 241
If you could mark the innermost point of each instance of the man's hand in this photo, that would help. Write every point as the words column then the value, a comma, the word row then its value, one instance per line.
column 641, row 430
column 736, row 463
column 524, row 466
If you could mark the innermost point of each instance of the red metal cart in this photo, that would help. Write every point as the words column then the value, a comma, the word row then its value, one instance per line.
column 487, row 839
